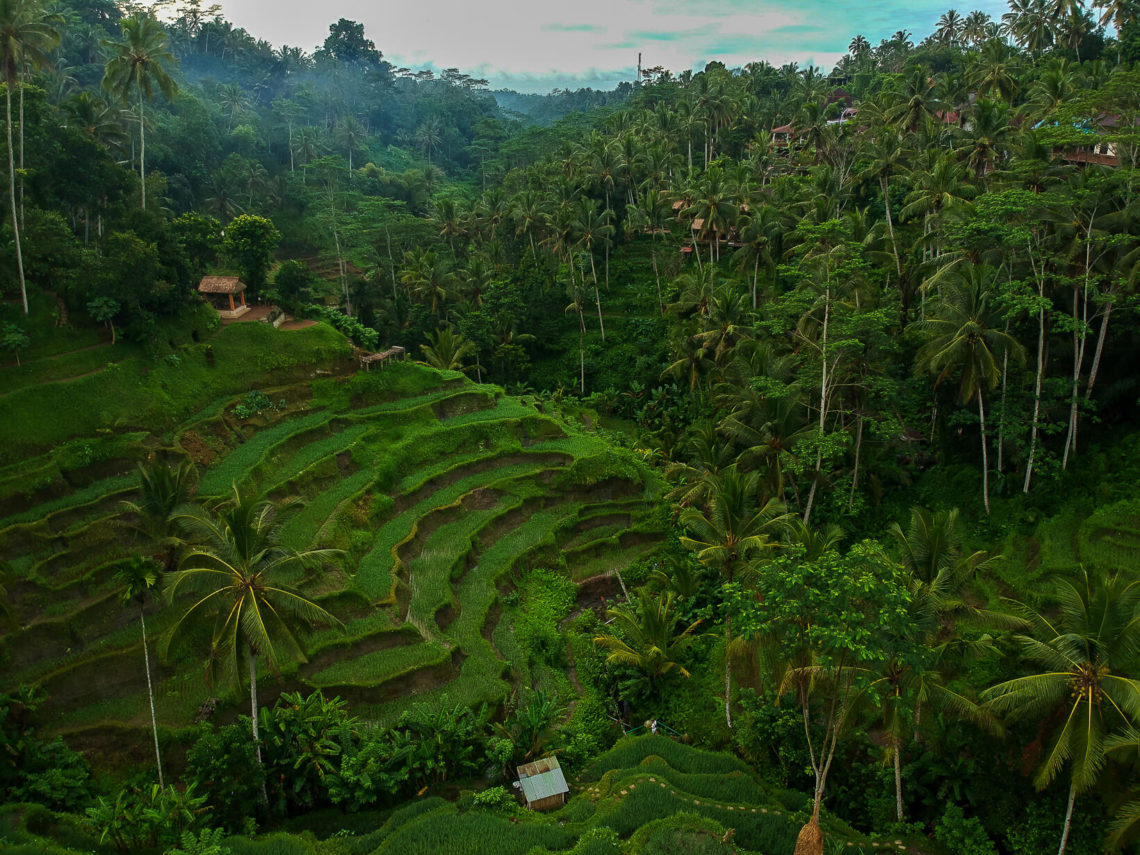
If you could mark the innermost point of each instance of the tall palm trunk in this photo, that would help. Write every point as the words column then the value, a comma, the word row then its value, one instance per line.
column 12, row 197
column 1068, row 819
column 597, row 295
column 727, row 671
column 1037, row 388
column 657, row 277
column 985, row 454
column 142, row 148
column 898, row 785
column 150, row 696
column 1099, row 350
column 823, row 395
column 891, row 225
column 253, row 718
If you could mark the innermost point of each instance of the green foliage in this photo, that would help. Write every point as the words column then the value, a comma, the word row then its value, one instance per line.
column 222, row 765
column 151, row 817
column 547, row 598
column 249, row 242
column 496, row 800
column 962, row 834
column 33, row 769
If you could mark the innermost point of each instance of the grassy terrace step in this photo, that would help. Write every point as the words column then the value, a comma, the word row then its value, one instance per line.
column 380, row 666
column 116, row 487
column 240, row 464
column 429, row 573
column 373, row 576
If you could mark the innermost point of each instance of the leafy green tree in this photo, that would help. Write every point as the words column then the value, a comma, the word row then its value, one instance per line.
column 826, row 627
column 138, row 65
column 13, row 338
column 222, row 765
column 233, row 575
column 104, row 310
column 1080, row 690
column 250, row 241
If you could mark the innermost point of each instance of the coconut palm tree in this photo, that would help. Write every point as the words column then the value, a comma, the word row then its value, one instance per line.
column 447, row 350
column 137, row 578
column 163, row 492
column 961, row 339
column 949, row 30
column 238, row 579
column 647, row 636
column 728, row 533
column 26, row 38
column 138, row 64
column 1080, row 689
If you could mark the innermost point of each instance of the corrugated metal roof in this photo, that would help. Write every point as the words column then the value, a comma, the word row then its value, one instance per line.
column 543, row 786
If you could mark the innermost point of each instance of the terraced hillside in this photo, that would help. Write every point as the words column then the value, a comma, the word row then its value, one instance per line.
column 648, row 795
column 440, row 491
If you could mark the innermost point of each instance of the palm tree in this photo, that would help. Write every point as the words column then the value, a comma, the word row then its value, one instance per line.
column 138, row 577
column 26, row 38
column 237, row 575
column 163, row 491
column 351, row 136
column 728, row 533
column 959, row 337
column 950, row 27
column 590, row 227
column 137, row 64
column 447, row 350
column 648, row 637
column 1079, row 688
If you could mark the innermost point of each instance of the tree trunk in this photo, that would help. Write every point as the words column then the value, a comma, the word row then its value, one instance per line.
column 898, row 785
column 985, row 454
column 150, row 695
column 581, row 348
column 1001, row 418
column 12, row 199
column 891, row 226
column 858, row 448
column 142, row 149
column 22, row 71
column 755, row 279
column 253, row 717
column 1037, row 388
column 727, row 671
column 823, row 393
column 657, row 277
column 1099, row 350
column 1068, row 819
column 597, row 296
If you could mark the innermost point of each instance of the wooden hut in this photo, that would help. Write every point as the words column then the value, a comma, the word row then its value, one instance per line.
column 220, row 292
column 543, row 785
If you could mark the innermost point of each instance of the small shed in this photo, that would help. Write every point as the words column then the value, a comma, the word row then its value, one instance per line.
column 220, row 292
column 543, row 785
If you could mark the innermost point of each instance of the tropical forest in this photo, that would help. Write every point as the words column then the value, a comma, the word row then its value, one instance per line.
column 739, row 459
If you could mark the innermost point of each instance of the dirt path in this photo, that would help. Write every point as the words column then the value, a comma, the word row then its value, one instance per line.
column 59, row 380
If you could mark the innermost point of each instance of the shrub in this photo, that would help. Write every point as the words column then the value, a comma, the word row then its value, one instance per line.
column 961, row 834
column 496, row 800
column 223, row 765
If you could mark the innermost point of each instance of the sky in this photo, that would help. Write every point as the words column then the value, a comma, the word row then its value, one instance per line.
column 536, row 45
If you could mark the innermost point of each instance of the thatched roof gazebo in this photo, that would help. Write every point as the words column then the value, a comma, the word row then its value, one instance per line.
column 214, row 288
